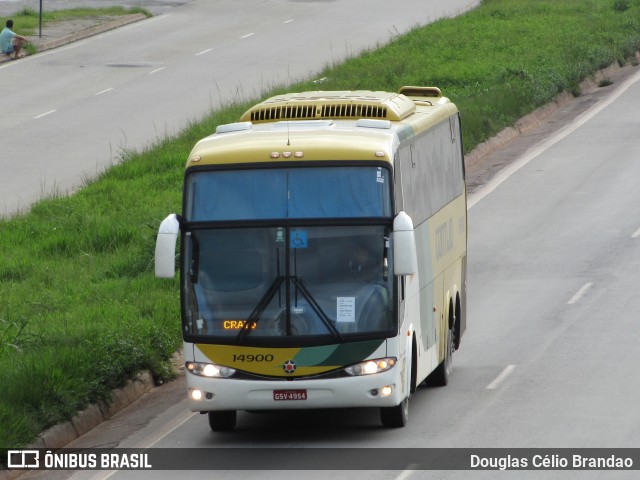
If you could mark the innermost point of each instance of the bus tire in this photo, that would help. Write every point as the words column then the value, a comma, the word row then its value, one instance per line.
column 457, row 324
column 222, row 420
column 442, row 374
column 395, row 417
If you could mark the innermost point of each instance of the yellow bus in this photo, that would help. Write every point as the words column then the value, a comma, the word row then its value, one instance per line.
column 323, row 254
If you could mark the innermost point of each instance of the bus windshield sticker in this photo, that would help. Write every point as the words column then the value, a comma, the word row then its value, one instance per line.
column 298, row 239
column 379, row 177
column 346, row 309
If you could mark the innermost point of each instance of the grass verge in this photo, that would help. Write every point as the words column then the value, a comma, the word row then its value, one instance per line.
column 81, row 311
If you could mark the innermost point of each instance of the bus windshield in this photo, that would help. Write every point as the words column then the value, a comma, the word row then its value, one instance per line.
column 287, row 193
column 243, row 284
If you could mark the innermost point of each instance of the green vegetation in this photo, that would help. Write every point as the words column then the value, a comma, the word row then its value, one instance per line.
column 81, row 310
column 29, row 18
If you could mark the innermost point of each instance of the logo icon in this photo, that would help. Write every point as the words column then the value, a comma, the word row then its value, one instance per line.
column 23, row 459
column 289, row 366
column 298, row 239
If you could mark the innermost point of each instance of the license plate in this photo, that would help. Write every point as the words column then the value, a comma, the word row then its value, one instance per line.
column 289, row 394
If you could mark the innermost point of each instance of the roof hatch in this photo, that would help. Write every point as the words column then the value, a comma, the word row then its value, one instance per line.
column 332, row 105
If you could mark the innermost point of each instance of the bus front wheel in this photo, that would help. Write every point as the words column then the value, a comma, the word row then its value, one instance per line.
column 222, row 421
column 395, row 417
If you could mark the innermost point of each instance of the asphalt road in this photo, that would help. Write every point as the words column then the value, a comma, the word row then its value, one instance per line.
column 69, row 113
column 157, row 7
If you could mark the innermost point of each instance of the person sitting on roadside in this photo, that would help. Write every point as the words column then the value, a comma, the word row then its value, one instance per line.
column 11, row 42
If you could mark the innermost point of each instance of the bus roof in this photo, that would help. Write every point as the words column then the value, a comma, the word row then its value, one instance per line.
column 333, row 125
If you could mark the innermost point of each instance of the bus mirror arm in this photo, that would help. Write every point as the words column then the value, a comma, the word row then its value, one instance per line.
column 405, row 257
column 165, row 257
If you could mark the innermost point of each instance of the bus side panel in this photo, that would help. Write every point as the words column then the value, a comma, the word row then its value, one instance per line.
column 430, row 188
column 410, row 323
column 449, row 230
column 430, row 298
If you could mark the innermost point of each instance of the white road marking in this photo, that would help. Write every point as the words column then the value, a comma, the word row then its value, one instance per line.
column 203, row 52
column 44, row 114
column 501, row 378
column 636, row 234
column 580, row 293
column 153, row 439
column 247, row 35
column 156, row 70
column 172, row 425
column 288, row 21
column 104, row 91
column 405, row 473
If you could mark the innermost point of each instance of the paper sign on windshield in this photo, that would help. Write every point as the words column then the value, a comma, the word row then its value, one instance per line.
column 346, row 309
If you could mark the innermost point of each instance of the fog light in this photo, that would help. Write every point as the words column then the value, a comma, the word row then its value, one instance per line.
column 196, row 394
column 386, row 391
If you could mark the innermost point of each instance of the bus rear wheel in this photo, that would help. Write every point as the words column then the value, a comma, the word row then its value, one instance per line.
column 222, row 421
column 395, row 417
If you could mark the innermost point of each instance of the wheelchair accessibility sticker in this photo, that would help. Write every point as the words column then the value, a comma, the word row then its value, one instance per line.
column 298, row 239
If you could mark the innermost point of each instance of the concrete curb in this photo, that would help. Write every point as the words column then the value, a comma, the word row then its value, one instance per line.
column 60, row 435
column 64, row 433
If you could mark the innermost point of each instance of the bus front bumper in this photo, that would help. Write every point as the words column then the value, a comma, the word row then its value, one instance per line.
column 384, row 389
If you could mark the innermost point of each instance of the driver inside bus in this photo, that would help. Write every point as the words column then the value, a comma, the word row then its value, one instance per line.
column 363, row 266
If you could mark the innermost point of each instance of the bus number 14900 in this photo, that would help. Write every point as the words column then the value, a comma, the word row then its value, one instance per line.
column 253, row 358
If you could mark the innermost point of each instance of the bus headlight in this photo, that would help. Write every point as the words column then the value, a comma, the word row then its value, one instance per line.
column 371, row 366
column 210, row 370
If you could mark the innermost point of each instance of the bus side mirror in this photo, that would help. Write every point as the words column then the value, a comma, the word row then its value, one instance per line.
column 165, row 259
column 405, row 256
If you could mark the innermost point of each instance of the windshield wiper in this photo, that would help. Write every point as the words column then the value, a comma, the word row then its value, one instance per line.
column 262, row 305
column 316, row 308
column 259, row 309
